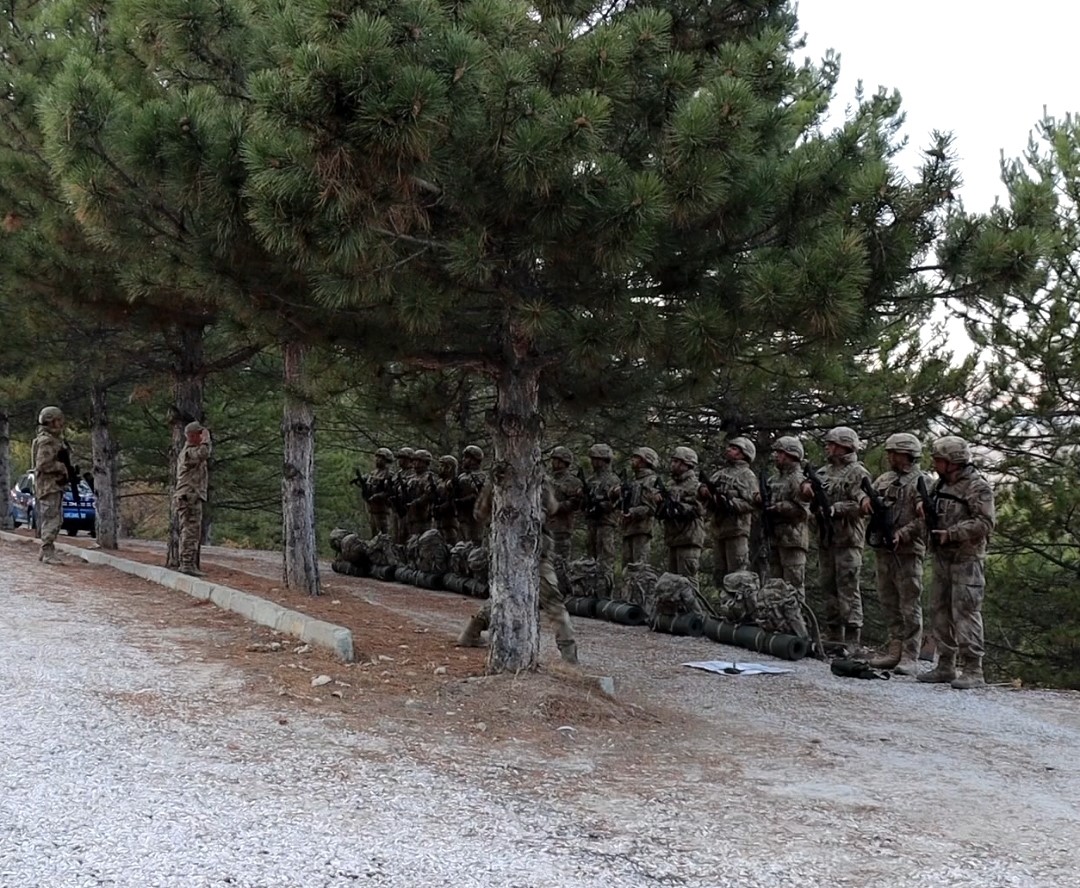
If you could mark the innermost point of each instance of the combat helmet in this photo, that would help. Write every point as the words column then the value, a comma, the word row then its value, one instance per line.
column 648, row 456
column 687, row 455
column 422, row 455
column 746, row 446
column 50, row 415
column 843, row 436
column 904, row 442
column 563, row 453
column 449, row 460
column 384, row 453
column 601, row 451
column 473, row 451
column 952, row 448
column 790, row 445
column 193, row 428
column 405, row 453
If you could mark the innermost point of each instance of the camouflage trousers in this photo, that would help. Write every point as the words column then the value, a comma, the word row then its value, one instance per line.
column 379, row 521
column 189, row 510
column 685, row 561
column 839, row 567
column 563, row 543
column 899, row 588
column 49, row 517
column 399, row 531
column 636, row 548
column 729, row 555
column 600, row 544
column 788, row 563
column 469, row 530
column 956, row 596
column 448, row 530
column 552, row 609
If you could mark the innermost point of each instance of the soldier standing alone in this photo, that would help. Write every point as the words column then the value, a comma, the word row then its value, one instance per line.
column 192, row 477
column 51, row 458
column 964, row 512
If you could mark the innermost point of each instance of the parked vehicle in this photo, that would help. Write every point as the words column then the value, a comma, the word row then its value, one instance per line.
column 78, row 513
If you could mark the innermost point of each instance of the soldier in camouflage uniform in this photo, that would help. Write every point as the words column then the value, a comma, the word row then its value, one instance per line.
column 900, row 569
column 788, row 514
column 375, row 489
column 419, row 495
column 731, row 503
column 602, row 491
column 679, row 509
column 639, row 507
column 399, row 483
column 469, row 483
column 841, row 560
column 50, row 456
column 550, row 599
column 444, row 510
column 568, row 492
column 192, row 483
column 964, row 508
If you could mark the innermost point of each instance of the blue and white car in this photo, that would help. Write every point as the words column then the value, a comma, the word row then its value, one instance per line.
column 78, row 513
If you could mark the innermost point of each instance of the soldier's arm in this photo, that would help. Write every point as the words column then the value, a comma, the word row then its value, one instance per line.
column 979, row 498
column 746, row 498
column 855, row 501
column 915, row 529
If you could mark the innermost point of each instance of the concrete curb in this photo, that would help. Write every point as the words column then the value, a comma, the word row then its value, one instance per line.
column 330, row 636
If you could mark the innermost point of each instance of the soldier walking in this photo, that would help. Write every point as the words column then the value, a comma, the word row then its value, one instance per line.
column 568, row 491
column 469, row 483
column 51, row 459
column 192, row 481
column 730, row 497
column 679, row 509
column 963, row 519
column 639, row 507
column 602, row 491
column 899, row 562
column 788, row 514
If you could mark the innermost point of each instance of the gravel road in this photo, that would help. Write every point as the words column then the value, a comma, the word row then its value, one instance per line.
column 127, row 763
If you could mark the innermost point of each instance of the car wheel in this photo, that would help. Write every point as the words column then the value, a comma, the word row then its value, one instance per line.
column 93, row 530
column 31, row 520
column 71, row 531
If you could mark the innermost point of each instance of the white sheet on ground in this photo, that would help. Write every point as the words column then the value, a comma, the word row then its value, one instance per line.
column 724, row 667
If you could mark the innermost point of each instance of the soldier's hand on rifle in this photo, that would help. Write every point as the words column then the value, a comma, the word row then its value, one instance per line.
column 919, row 511
column 940, row 536
column 866, row 506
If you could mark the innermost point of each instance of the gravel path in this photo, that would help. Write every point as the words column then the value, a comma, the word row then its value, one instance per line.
column 126, row 764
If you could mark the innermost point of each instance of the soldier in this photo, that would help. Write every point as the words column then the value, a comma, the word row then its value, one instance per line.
column 399, row 482
column 469, row 484
column 900, row 567
column 787, row 514
column 602, row 491
column 840, row 551
column 964, row 516
column 419, row 495
column 51, row 458
column 375, row 489
column 639, row 507
column 190, row 494
column 446, row 521
column 550, row 599
column 569, row 493
column 730, row 496
column 679, row 509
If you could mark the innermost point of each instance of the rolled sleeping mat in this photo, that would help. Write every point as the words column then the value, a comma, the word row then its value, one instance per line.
column 582, row 605
column 754, row 638
column 455, row 583
column 350, row 569
column 405, row 575
column 476, row 588
column 690, row 624
column 625, row 613
column 433, row 581
column 384, row 572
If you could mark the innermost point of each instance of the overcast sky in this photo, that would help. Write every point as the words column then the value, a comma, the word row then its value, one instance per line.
column 981, row 70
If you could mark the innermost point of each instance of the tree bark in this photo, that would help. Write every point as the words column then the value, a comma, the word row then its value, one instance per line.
column 188, row 386
column 6, row 522
column 298, row 477
column 514, row 575
column 104, row 459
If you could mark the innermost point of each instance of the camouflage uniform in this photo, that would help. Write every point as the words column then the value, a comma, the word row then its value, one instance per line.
column 376, row 492
column 639, row 513
column 399, row 483
column 445, row 508
column 732, row 512
column 567, row 488
column 419, row 495
column 192, row 482
column 789, row 515
column 684, row 524
column 50, row 479
column 601, row 513
column 965, row 511
column 841, row 562
column 470, row 481
column 900, row 571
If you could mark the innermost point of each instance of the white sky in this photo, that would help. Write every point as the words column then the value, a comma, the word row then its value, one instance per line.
column 981, row 70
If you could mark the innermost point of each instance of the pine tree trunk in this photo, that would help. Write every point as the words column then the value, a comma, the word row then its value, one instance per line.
column 298, row 477
column 104, row 457
column 5, row 472
column 515, row 522
column 188, row 385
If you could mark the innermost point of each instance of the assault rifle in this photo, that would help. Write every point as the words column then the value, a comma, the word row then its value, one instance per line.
column 929, row 506
column 64, row 456
column 670, row 509
column 628, row 493
column 397, row 496
column 720, row 503
column 767, row 522
column 820, row 505
column 593, row 506
column 880, row 533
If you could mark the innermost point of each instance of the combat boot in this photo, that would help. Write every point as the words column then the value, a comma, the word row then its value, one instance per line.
column 971, row 674
column 470, row 635
column 51, row 556
column 568, row 651
column 944, row 672
column 853, row 641
column 191, row 570
column 909, row 660
column 890, row 658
